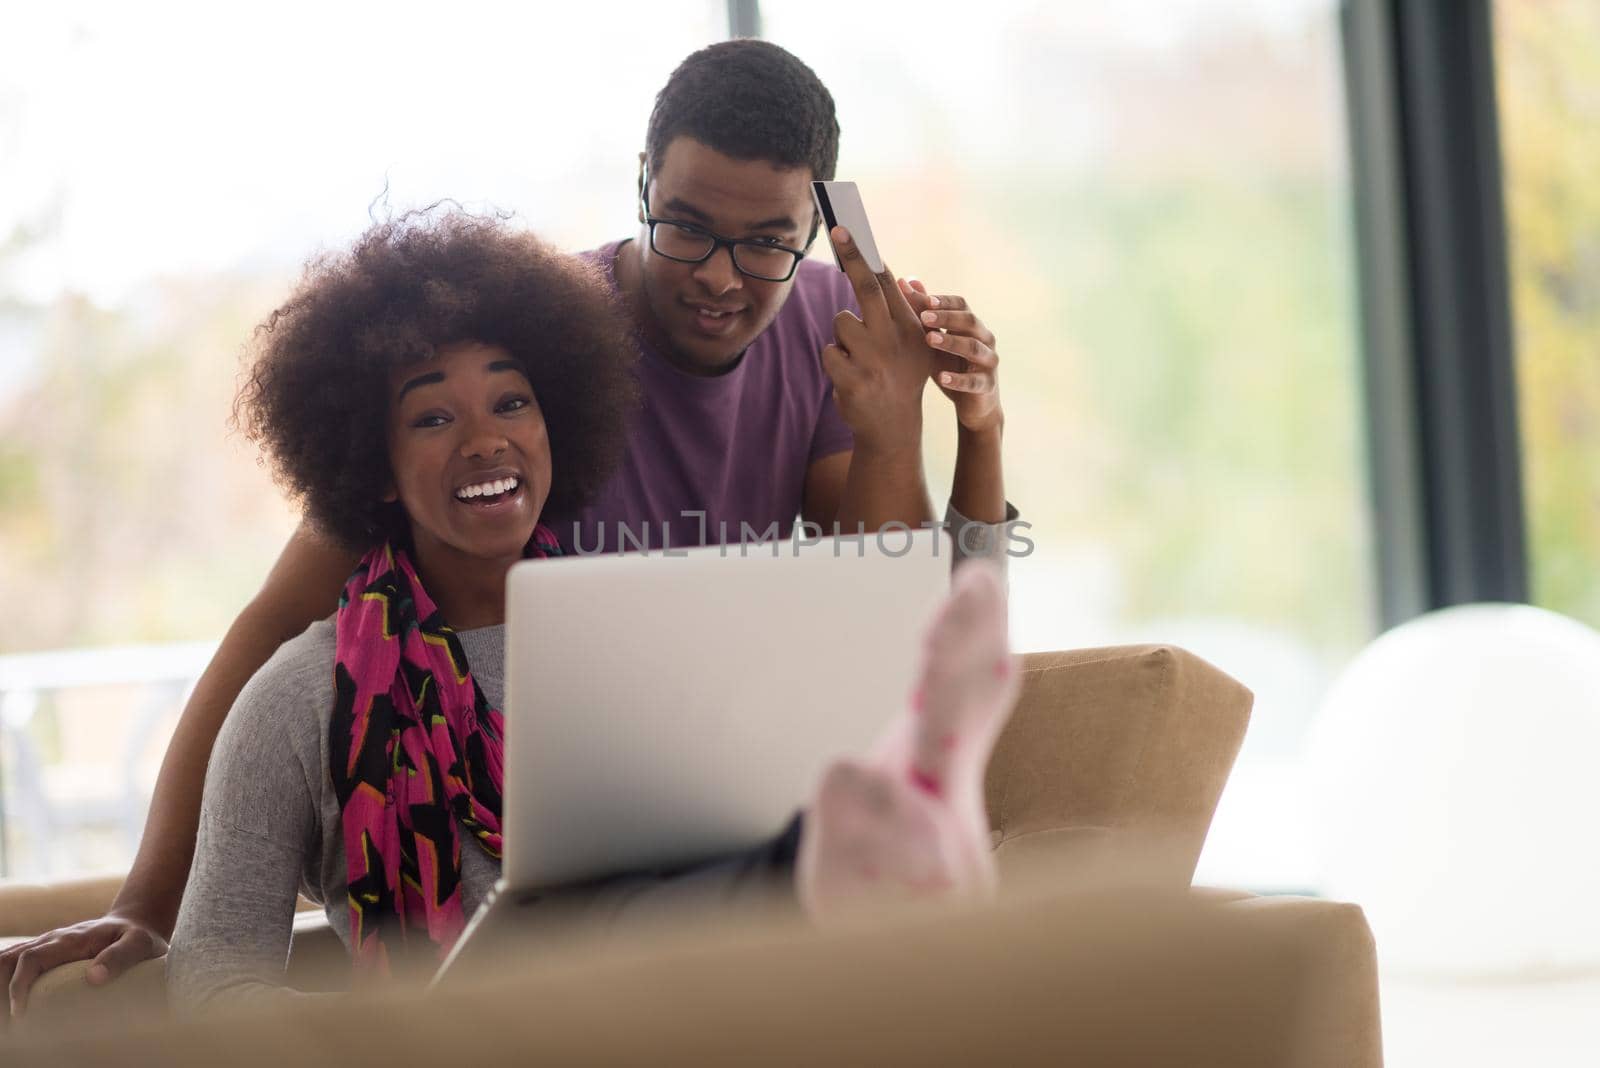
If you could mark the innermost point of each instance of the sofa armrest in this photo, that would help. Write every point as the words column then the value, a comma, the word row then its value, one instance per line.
column 28, row 909
column 62, row 997
column 317, row 962
column 1145, row 978
column 1135, row 739
column 1338, row 1019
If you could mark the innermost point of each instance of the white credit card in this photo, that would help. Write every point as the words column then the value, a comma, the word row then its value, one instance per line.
column 840, row 205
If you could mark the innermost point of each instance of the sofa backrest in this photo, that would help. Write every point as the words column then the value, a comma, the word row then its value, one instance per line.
column 1136, row 740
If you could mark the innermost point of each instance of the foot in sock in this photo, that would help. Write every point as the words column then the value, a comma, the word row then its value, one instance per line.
column 872, row 841
column 966, row 689
column 913, row 825
column 962, row 698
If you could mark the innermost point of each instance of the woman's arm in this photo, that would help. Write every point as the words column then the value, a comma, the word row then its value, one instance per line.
column 258, row 822
column 302, row 586
column 231, row 942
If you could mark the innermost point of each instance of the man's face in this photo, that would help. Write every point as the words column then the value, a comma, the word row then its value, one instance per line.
column 709, row 312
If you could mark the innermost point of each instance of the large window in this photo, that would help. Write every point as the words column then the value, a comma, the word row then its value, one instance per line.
column 1548, row 74
column 1149, row 203
column 164, row 177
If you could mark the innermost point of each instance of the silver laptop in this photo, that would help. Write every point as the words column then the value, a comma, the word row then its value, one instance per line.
column 667, row 708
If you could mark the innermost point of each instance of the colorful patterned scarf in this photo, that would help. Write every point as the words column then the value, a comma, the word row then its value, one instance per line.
column 415, row 751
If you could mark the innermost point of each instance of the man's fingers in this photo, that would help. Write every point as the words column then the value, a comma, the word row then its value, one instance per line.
column 869, row 291
column 850, row 333
column 837, row 364
column 134, row 946
column 969, row 349
column 894, row 297
column 878, row 294
column 979, row 382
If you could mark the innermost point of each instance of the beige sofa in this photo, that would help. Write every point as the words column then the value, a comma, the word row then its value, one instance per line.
column 1100, row 794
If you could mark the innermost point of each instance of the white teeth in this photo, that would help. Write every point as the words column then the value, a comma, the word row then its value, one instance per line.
column 487, row 489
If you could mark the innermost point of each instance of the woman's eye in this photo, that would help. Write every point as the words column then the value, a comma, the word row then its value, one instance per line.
column 429, row 421
column 513, row 404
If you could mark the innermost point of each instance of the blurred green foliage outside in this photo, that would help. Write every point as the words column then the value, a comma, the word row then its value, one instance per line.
column 1548, row 58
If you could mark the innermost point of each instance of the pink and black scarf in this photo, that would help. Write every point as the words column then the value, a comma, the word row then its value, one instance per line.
column 417, row 753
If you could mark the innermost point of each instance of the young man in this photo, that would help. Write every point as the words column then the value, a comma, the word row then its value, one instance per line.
column 765, row 398
column 743, row 425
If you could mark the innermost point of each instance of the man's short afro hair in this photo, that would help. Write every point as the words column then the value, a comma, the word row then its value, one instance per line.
column 316, row 391
column 751, row 100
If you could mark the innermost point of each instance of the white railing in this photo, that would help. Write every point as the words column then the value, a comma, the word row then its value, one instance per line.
column 46, row 805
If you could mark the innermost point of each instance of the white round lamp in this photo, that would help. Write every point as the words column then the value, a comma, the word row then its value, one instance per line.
column 1457, row 793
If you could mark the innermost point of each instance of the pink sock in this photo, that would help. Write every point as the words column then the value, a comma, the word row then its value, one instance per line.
column 911, row 824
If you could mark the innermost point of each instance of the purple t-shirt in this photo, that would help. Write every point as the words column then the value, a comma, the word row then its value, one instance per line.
column 734, row 447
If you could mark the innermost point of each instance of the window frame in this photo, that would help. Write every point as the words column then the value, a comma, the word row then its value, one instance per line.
column 1444, row 449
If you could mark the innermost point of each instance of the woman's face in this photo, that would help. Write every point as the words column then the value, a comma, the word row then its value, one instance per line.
column 469, row 452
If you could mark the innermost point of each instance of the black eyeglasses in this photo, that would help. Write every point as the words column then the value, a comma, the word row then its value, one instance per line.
column 759, row 258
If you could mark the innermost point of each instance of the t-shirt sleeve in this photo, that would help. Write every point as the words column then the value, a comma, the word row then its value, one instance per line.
column 257, row 821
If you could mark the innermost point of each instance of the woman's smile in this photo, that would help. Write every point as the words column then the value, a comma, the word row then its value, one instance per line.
column 493, row 493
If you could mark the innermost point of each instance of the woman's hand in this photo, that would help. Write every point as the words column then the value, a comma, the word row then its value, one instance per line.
column 116, row 943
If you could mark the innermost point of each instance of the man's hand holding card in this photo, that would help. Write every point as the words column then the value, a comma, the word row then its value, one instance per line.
column 952, row 344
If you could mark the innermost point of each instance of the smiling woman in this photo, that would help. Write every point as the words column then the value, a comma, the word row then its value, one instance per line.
column 425, row 396
column 341, row 387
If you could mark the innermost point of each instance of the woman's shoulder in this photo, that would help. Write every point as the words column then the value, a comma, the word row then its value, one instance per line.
column 302, row 661
column 308, row 653
column 293, row 690
column 265, row 764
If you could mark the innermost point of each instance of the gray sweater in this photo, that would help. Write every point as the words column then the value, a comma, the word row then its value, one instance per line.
column 270, row 826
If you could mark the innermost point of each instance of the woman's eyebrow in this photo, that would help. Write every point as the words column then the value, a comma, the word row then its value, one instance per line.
column 429, row 379
column 507, row 365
